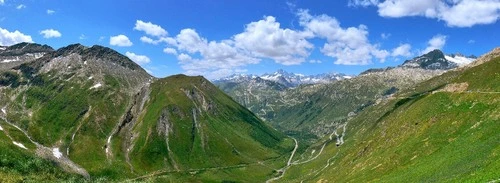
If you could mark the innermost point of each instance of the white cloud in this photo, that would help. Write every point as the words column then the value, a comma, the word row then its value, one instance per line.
column 467, row 13
column 50, row 33
column 436, row 42
column 170, row 51
column 402, row 8
column 2, row 2
column 363, row 3
column 146, row 39
column 266, row 39
column 10, row 38
column 456, row 13
column 21, row 6
column 168, row 40
column 50, row 12
column 315, row 61
column 82, row 37
column 139, row 59
column 150, row 28
column 402, row 50
column 385, row 36
column 120, row 40
column 216, row 59
column 472, row 41
column 350, row 46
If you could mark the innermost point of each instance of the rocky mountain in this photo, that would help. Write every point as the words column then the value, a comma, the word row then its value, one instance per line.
column 286, row 79
column 18, row 54
column 264, row 94
column 437, row 60
column 82, row 113
column 309, row 112
column 447, row 124
column 97, row 114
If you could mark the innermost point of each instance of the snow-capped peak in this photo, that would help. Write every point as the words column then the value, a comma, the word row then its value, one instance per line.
column 287, row 78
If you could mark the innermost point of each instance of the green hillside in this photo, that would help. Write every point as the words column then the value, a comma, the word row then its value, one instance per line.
column 190, row 127
column 442, row 130
column 96, row 114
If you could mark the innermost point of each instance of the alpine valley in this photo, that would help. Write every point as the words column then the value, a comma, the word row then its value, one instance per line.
column 90, row 114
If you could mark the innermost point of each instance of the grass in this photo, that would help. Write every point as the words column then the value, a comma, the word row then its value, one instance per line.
column 223, row 135
column 434, row 137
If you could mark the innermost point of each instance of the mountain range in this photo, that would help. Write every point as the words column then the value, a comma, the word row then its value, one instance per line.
column 286, row 79
column 310, row 111
column 97, row 114
column 80, row 114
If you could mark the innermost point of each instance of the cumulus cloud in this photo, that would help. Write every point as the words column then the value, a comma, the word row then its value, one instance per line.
column 436, row 42
column 120, row 40
column 150, row 28
column 139, row 59
column 216, row 59
column 50, row 33
column 8, row 38
column 350, row 46
column 456, row 13
column 170, row 51
column 50, row 12
column 402, row 50
column 467, row 13
column 21, row 6
column 266, row 39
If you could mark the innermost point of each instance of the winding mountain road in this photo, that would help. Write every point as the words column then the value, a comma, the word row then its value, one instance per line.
column 289, row 163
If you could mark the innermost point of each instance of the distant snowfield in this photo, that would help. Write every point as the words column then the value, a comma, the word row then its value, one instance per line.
column 461, row 61
column 1, row 129
column 19, row 145
column 56, row 152
column 98, row 85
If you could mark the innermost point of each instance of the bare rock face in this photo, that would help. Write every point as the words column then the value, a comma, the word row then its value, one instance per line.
column 95, row 63
column 434, row 60
column 164, row 126
column 15, row 55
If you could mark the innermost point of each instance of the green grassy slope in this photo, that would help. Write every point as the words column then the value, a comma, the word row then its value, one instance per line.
column 108, row 116
column 429, row 134
column 206, row 131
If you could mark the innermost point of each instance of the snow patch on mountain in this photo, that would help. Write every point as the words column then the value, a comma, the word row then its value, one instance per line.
column 11, row 60
column 458, row 59
column 98, row 85
column 56, row 153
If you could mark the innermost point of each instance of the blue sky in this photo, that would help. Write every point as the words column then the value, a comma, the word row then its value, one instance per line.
column 221, row 37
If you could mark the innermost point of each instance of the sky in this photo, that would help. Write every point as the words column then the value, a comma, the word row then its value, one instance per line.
column 218, row 38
